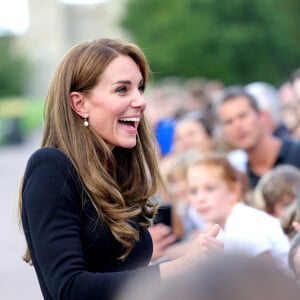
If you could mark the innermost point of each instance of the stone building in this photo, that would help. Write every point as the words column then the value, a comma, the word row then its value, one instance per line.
column 54, row 27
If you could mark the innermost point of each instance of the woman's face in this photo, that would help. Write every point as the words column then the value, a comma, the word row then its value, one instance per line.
column 116, row 104
column 209, row 193
column 190, row 134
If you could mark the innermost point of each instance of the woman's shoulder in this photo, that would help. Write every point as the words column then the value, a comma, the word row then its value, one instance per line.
column 48, row 154
column 49, row 158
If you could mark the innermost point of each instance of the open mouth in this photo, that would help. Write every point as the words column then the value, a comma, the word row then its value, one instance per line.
column 130, row 122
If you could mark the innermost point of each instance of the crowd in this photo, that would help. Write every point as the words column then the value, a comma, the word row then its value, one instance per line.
column 203, row 184
column 233, row 159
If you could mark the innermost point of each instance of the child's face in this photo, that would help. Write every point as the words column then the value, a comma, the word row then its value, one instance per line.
column 177, row 189
column 210, row 194
column 281, row 206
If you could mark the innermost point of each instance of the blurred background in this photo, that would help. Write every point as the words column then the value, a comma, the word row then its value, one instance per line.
column 194, row 46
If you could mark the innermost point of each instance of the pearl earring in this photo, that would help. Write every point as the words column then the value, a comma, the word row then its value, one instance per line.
column 86, row 122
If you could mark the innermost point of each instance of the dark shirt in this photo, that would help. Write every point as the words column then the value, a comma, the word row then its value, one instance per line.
column 289, row 154
column 74, row 255
column 282, row 132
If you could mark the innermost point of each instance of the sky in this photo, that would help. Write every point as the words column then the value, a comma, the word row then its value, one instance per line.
column 14, row 17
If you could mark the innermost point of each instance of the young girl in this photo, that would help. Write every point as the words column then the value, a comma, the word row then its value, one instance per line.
column 277, row 194
column 216, row 190
column 277, row 190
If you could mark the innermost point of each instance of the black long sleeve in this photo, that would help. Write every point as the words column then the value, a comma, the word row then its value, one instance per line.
column 74, row 255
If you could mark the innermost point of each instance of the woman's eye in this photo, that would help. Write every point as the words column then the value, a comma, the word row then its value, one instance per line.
column 142, row 88
column 121, row 89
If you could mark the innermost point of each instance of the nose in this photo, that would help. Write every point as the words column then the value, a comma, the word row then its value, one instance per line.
column 197, row 199
column 139, row 100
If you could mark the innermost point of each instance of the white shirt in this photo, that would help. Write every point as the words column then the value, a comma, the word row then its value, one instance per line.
column 253, row 231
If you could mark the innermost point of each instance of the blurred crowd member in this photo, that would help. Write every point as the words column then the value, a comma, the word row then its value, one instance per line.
column 267, row 99
column 196, row 87
column 242, row 125
column 291, row 118
column 277, row 193
column 216, row 190
column 295, row 82
column 290, row 220
column 175, row 177
column 193, row 131
column 286, row 93
column 166, row 99
column 277, row 190
column 202, row 91
column 294, row 256
column 227, row 277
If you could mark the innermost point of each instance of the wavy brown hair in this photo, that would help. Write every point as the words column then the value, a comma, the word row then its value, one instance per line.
column 119, row 183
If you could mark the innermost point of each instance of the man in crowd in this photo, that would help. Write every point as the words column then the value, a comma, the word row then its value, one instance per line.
column 243, row 126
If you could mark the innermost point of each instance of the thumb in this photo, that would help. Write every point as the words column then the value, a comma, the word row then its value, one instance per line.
column 296, row 225
column 214, row 231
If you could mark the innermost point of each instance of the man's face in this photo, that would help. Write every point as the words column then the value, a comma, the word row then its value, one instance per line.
column 241, row 124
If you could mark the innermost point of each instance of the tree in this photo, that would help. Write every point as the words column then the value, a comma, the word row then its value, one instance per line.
column 236, row 41
column 12, row 69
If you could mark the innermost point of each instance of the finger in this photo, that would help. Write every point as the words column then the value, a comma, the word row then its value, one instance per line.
column 214, row 231
column 296, row 226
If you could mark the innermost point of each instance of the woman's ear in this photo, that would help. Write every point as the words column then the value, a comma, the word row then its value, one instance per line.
column 78, row 104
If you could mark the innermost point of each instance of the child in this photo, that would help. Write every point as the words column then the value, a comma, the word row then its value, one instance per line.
column 216, row 190
column 277, row 190
column 277, row 193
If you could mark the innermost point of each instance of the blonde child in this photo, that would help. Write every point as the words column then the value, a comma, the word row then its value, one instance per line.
column 216, row 190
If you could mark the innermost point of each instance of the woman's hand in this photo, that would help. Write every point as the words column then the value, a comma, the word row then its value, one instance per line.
column 205, row 244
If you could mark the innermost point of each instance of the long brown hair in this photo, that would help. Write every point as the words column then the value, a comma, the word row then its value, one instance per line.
column 119, row 183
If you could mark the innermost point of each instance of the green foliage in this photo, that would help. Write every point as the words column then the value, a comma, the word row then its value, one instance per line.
column 12, row 69
column 18, row 117
column 237, row 41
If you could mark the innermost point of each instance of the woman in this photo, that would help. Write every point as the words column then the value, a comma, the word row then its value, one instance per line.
column 193, row 131
column 85, row 198
column 216, row 190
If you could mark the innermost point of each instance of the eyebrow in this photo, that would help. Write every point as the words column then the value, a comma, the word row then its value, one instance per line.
column 126, row 82
column 122, row 81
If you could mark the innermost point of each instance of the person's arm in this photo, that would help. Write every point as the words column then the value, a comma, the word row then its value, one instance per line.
column 162, row 238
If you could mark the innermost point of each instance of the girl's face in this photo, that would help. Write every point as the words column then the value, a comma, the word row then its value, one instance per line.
column 210, row 194
column 116, row 104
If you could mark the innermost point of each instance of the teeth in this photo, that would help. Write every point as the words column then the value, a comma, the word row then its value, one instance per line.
column 130, row 119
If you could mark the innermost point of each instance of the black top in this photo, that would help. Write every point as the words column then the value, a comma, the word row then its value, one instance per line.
column 74, row 255
column 289, row 154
